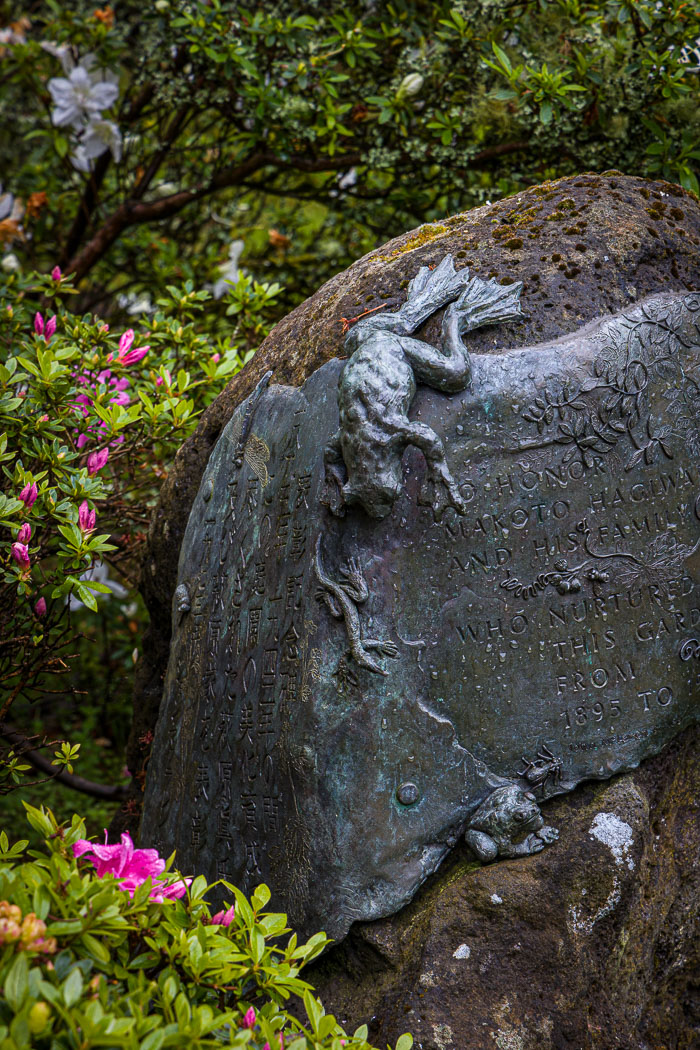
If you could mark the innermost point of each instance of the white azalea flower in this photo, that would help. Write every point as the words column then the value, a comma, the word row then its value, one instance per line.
column 102, row 135
column 9, row 263
column 81, row 96
column 136, row 304
column 229, row 270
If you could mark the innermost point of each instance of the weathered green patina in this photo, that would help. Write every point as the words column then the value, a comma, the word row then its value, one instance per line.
column 348, row 696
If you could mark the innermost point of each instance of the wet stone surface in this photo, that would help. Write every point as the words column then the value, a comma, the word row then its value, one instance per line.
column 348, row 696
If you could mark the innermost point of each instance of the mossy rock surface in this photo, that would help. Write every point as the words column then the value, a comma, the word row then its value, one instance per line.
column 590, row 945
column 584, row 247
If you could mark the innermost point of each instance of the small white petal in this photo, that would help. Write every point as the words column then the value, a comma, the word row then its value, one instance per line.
column 103, row 95
column 80, row 160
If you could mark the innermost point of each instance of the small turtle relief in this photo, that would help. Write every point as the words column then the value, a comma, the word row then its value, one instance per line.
column 508, row 824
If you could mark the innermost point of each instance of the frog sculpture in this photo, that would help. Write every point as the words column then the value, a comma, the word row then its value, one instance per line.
column 363, row 460
column 508, row 824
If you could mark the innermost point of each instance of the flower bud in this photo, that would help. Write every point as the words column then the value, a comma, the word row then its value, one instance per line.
column 29, row 494
column 40, row 607
column 410, row 86
column 20, row 552
column 33, row 928
column 56, row 273
column 10, row 911
column 86, row 517
column 40, row 1014
column 25, row 533
column 9, row 931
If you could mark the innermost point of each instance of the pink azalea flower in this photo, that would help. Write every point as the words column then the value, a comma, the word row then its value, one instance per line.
column 40, row 607
column 50, row 328
column 134, row 355
column 38, row 323
column 126, row 341
column 249, row 1019
column 216, row 358
column 82, row 440
column 20, row 552
column 86, row 517
column 29, row 494
column 120, row 398
column 56, row 273
column 44, row 418
column 131, row 866
column 223, row 918
column 25, row 533
column 97, row 460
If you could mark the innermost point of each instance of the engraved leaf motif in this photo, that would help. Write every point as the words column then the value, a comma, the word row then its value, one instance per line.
column 256, row 452
column 257, row 456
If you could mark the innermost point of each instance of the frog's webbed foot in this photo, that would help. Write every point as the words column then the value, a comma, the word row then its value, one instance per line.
column 487, row 303
column 547, row 834
column 441, row 492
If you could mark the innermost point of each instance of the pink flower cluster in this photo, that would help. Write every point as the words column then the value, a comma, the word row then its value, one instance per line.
column 223, row 918
column 20, row 549
column 131, row 867
column 125, row 356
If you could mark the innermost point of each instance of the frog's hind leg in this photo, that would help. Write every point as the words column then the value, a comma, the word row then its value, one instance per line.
column 431, row 446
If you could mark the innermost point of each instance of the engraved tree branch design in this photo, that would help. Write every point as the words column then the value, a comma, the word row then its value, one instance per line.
column 592, row 415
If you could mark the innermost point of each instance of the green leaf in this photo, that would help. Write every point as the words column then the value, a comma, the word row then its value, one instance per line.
column 404, row 1042
column 154, row 1040
column 261, row 895
column 17, row 983
column 73, row 987
column 502, row 57
column 96, row 948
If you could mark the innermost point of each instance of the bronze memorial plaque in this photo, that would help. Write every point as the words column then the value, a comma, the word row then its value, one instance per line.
column 425, row 592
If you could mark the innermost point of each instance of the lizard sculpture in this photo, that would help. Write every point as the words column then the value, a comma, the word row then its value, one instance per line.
column 363, row 460
column 342, row 600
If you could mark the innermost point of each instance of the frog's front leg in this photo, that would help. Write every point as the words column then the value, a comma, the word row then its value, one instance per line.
column 335, row 477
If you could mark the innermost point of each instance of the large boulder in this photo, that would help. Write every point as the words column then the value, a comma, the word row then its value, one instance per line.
column 591, row 945
column 576, row 953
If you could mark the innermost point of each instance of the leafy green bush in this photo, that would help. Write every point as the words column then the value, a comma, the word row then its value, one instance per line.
column 89, row 420
column 140, row 963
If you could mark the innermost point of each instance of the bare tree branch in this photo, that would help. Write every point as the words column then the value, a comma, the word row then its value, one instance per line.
column 62, row 776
